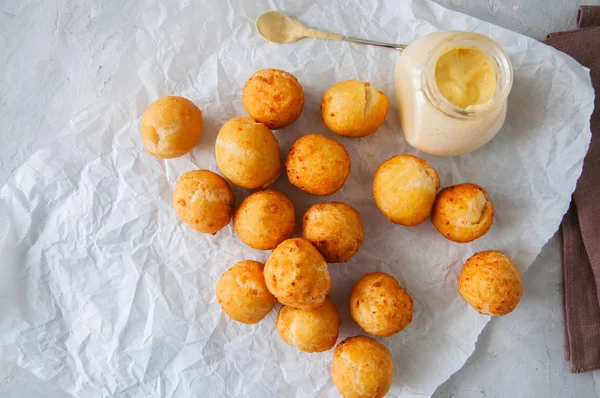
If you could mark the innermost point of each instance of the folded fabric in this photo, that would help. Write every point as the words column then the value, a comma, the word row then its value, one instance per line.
column 581, row 225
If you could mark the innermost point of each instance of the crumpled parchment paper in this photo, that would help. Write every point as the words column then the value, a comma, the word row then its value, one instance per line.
column 105, row 293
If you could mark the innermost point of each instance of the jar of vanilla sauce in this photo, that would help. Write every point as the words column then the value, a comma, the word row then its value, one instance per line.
column 451, row 90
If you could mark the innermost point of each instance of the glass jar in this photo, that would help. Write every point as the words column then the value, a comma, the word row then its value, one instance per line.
column 432, row 123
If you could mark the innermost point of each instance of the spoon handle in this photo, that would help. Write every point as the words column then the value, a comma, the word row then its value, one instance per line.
column 319, row 34
column 350, row 39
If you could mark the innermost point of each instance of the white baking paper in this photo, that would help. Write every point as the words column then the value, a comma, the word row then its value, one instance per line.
column 105, row 293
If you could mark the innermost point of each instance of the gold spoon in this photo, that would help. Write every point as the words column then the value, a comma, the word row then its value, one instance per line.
column 277, row 27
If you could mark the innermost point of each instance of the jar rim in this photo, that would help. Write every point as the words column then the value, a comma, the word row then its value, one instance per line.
column 492, row 51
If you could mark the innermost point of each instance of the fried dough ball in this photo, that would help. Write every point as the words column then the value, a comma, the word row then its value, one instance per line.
column 335, row 229
column 248, row 153
column 462, row 213
column 171, row 127
column 243, row 294
column 318, row 165
column 491, row 283
column 404, row 189
column 353, row 109
column 380, row 305
column 362, row 368
column 203, row 200
column 265, row 219
column 273, row 97
column 297, row 274
column 310, row 331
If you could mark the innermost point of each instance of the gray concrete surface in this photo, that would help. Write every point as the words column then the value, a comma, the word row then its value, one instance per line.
column 530, row 365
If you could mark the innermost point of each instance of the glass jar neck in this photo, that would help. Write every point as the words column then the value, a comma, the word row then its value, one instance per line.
column 492, row 51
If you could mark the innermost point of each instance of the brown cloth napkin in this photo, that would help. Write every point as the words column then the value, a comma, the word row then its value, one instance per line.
column 581, row 225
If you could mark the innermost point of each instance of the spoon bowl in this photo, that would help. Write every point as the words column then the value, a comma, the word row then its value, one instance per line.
column 277, row 27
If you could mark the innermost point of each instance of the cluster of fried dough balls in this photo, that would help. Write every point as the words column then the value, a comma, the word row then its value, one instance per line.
column 491, row 283
column 380, row 305
column 335, row 229
column 362, row 368
column 243, row 294
column 265, row 219
column 405, row 189
column 171, row 127
column 318, row 165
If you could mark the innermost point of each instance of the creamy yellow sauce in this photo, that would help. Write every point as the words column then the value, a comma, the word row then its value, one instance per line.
column 465, row 77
